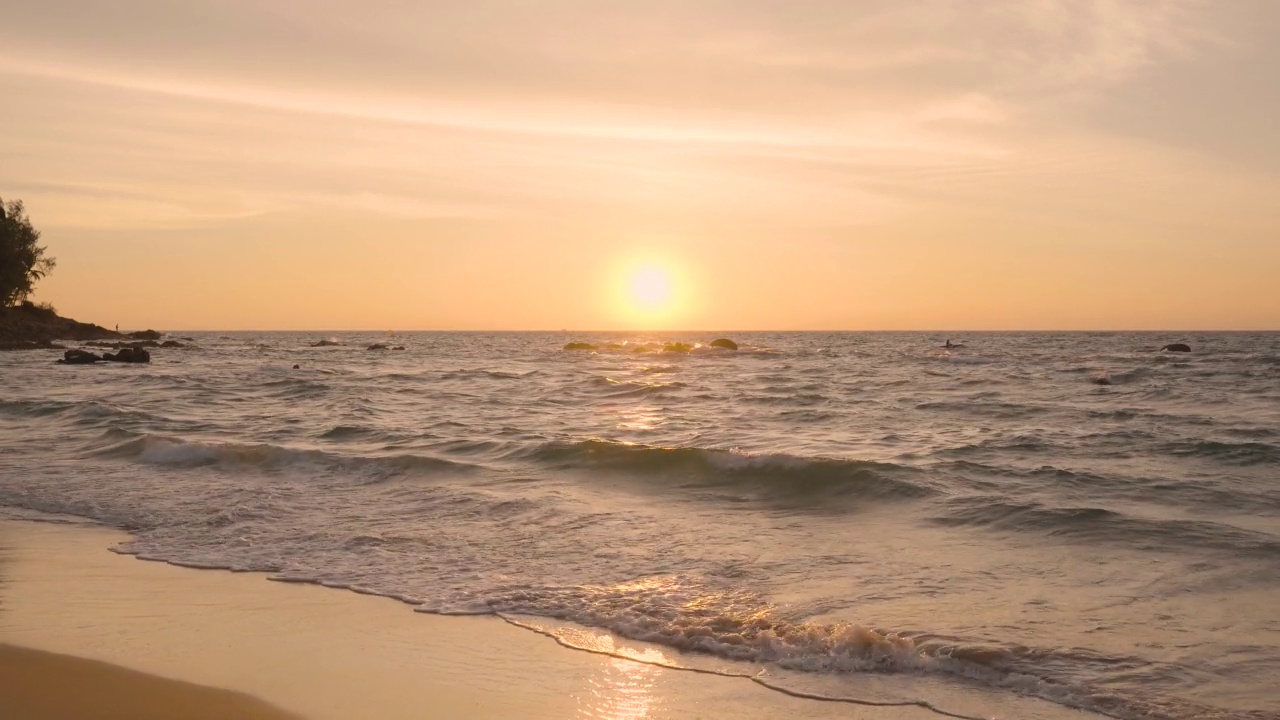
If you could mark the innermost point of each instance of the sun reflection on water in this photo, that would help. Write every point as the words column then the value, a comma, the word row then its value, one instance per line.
column 624, row 689
column 641, row 418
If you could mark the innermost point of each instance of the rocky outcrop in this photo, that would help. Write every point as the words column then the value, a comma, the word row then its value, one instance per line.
column 117, row 345
column 31, row 327
column 579, row 346
column 384, row 346
column 79, row 357
column 126, row 355
column 725, row 343
column 144, row 335
column 129, row 355
column 1176, row 347
column 136, row 344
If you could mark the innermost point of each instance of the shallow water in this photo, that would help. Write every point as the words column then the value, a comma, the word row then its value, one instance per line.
column 814, row 506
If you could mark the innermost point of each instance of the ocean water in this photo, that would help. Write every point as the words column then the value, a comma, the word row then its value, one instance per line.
column 1075, row 517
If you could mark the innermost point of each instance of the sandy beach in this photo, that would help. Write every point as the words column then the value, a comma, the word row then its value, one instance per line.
column 148, row 640
column 38, row 686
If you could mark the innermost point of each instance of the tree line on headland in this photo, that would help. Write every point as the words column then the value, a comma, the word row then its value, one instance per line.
column 23, row 263
column 22, row 260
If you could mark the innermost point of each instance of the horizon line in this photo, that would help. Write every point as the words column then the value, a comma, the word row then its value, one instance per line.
column 723, row 332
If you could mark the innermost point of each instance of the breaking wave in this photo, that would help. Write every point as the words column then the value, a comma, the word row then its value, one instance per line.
column 738, row 626
column 1100, row 524
column 778, row 474
column 171, row 452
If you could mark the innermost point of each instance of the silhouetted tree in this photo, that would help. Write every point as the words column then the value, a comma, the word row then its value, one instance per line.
column 22, row 261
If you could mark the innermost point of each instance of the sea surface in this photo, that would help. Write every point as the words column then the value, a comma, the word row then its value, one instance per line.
column 1075, row 517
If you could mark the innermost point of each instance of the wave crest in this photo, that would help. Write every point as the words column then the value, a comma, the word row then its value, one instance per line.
column 778, row 476
column 157, row 450
column 1093, row 523
column 674, row 612
column 1241, row 453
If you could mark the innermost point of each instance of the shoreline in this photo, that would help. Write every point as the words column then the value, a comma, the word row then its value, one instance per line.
column 306, row 651
column 327, row 655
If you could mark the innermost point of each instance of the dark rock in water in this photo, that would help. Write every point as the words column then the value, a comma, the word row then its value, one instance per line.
column 117, row 345
column 145, row 335
column 129, row 355
column 398, row 347
column 725, row 343
column 677, row 347
column 579, row 346
column 79, row 357
column 1176, row 347
column 1101, row 379
column 377, row 346
column 30, row 345
column 172, row 344
column 297, row 367
column 326, row 343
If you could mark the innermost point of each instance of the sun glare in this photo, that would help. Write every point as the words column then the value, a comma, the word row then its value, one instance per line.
column 651, row 289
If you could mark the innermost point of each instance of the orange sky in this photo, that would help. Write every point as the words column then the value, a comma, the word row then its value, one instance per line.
column 1058, row 164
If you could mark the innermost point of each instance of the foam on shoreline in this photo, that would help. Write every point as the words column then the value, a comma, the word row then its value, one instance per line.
column 332, row 655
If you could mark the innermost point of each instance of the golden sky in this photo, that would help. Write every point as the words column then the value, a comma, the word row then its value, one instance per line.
column 709, row 164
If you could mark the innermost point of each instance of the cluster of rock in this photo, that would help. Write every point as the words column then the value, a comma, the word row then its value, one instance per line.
column 671, row 347
column 137, row 344
column 375, row 346
column 1176, row 347
column 125, row 355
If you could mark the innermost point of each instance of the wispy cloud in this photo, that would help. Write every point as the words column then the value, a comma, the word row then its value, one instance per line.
column 711, row 119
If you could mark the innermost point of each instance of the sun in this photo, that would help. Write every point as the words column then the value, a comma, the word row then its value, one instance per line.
column 651, row 289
